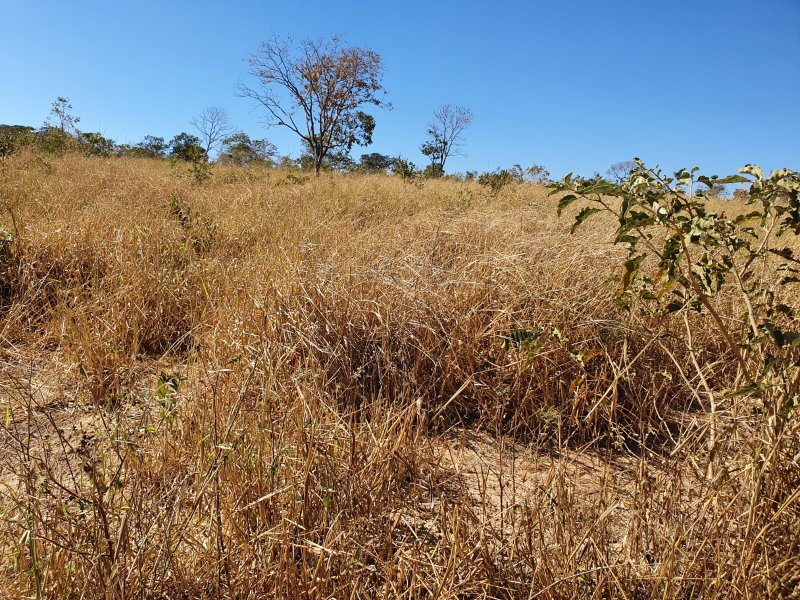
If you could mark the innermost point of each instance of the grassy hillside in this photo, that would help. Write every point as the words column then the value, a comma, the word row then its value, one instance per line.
column 273, row 385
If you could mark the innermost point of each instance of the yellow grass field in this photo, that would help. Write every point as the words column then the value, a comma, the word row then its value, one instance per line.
column 273, row 385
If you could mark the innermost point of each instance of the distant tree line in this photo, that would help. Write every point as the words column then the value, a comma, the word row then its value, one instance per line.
column 60, row 134
column 319, row 90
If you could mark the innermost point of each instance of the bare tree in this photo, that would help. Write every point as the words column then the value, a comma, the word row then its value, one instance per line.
column 446, row 135
column 317, row 88
column 214, row 126
column 620, row 171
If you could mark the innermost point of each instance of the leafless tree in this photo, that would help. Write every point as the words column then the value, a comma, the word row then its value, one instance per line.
column 620, row 171
column 316, row 88
column 214, row 125
column 446, row 135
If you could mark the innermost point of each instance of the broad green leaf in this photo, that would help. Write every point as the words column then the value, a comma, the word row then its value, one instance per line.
column 637, row 218
column 625, row 238
column 775, row 333
column 748, row 217
column 683, row 177
column 709, row 181
column 627, row 202
column 585, row 213
column 565, row 202
column 600, row 188
column 674, row 306
column 521, row 337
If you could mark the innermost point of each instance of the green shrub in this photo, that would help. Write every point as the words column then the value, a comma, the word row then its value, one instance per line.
column 12, row 138
column 95, row 144
column 683, row 257
column 7, row 238
column 498, row 179
column 405, row 168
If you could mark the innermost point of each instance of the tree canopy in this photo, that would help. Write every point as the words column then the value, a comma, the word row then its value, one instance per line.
column 376, row 162
column 240, row 150
column 186, row 146
column 317, row 89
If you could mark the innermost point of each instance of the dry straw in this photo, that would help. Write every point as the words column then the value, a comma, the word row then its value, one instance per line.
column 273, row 385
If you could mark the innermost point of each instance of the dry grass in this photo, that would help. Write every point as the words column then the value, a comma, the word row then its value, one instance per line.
column 360, row 412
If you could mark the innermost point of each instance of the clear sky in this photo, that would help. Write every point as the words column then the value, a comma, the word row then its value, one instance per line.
column 573, row 85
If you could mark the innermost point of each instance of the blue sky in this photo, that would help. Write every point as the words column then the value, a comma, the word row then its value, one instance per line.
column 573, row 85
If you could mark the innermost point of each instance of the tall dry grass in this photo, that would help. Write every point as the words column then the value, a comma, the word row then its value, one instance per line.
column 273, row 385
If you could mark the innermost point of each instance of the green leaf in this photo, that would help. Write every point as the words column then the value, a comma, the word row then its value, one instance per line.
column 565, row 202
column 775, row 333
column 707, row 181
column 631, row 269
column 745, row 390
column 558, row 336
column 748, row 217
column 722, row 180
column 750, row 231
column 791, row 339
column 600, row 188
column 625, row 238
column 522, row 337
column 637, row 218
column 684, row 177
column 674, row 306
column 585, row 213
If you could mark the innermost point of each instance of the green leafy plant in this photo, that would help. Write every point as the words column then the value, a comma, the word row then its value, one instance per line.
column 200, row 169
column 200, row 233
column 326, row 81
column 7, row 238
column 95, row 144
column 167, row 387
column 537, row 174
column 12, row 138
column 59, row 132
column 7, row 280
column 376, row 162
column 500, row 178
column 242, row 151
column 405, row 168
column 188, row 148
column 684, row 257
